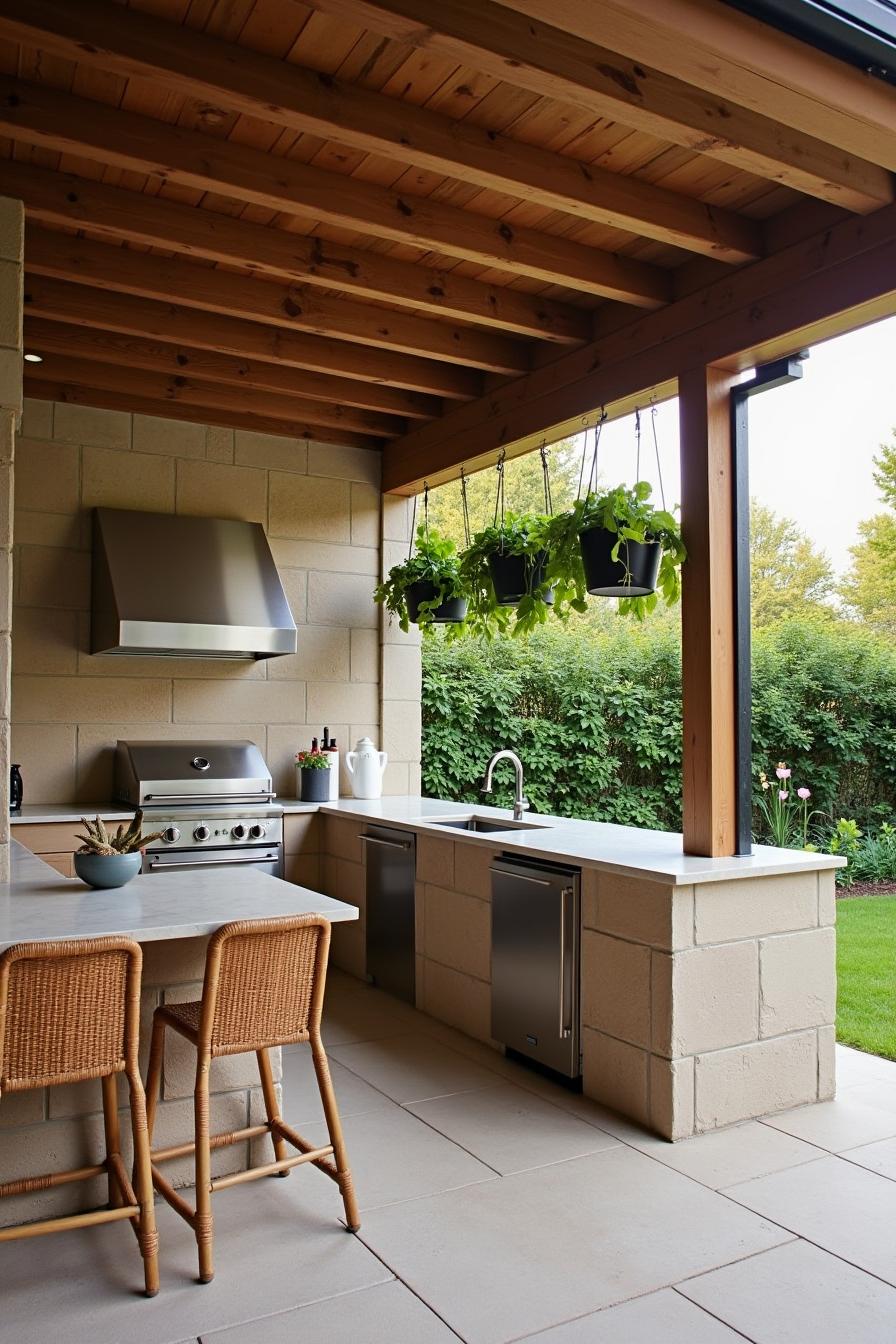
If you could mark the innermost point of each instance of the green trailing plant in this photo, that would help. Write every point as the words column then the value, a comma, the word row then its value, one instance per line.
column 312, row 760
column 99, row 841
column 436, row 561
column 517, row 535
column 629, row 515
column 845, row 841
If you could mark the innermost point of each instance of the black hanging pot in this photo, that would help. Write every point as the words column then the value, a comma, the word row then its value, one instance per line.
column 634, row 574
column 450, row 612
column 516, row 576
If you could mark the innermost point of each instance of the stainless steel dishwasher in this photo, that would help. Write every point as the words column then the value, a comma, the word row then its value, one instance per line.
column 391, row 858
column 535, row 961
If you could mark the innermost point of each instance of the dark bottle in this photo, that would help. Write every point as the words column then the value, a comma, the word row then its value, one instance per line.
column 16, row 789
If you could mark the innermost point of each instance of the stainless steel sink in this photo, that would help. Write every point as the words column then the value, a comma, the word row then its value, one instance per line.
column 485, row 824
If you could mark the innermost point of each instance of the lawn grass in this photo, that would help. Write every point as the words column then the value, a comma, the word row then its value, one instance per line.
column 866, row 974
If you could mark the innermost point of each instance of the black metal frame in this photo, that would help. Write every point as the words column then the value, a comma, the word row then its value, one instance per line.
column 767, row 376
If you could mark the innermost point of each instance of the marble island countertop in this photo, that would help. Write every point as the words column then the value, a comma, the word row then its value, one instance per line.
column 37, row 903
column 655, row 856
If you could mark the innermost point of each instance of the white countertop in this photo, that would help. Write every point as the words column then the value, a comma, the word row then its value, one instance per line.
column 39, row 904
column 656, row 856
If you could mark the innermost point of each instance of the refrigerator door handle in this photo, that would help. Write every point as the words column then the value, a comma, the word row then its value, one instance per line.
column 565, row 1025
column 521, row 877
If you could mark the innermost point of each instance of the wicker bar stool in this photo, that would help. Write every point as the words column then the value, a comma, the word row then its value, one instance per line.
column 264, row 987
column 70, row 1011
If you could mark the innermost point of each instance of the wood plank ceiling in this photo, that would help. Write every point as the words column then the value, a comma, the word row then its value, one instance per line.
column 340, row 219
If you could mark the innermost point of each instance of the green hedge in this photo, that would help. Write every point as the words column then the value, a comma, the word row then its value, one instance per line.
column 596, row 718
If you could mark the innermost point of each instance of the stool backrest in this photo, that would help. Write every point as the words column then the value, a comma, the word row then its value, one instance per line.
column 69, row 1010
column 264, row 983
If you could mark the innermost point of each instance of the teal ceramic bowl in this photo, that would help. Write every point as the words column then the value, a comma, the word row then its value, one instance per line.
column 107, row 870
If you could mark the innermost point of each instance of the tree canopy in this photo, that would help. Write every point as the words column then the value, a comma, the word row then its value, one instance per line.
column 790, row 578
column 869, row 589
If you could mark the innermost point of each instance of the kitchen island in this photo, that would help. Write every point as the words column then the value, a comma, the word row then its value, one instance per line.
column 171, row 916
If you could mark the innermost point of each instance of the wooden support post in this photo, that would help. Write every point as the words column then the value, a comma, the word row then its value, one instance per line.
column 709, row 647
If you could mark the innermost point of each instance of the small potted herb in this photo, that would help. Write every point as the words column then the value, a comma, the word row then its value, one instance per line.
column 426, row 589
column 106, row 860
column 314, row 776
column 505, row 567
column 617, row 544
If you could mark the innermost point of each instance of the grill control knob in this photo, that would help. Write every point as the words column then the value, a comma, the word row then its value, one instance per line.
column 171, row 835
column 257, row 832
column 201, row 833
column 239, row 831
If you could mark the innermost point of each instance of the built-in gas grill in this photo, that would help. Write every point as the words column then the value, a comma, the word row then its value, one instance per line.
column 212, row 801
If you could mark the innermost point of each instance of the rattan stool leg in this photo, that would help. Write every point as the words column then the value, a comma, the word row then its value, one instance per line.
column 334, row 1127
column 203, row 1225
column 147, row 1236
column 113, row 1137
column 270, row 1105
column 154, row 1072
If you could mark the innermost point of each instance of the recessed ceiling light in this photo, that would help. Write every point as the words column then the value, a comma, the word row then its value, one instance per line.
column 34, row 359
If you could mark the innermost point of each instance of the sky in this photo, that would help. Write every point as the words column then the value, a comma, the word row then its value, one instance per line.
column 811, row 442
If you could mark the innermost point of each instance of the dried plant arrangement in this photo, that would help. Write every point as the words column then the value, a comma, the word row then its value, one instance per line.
column 99, row 841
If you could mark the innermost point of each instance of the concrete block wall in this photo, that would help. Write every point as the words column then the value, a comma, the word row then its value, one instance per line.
column 12, row 238
column 324, row 515
column 706, row 1005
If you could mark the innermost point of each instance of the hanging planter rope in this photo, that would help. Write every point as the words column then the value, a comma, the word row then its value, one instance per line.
column 615, row 565
column 426, row 589
column 516, row 573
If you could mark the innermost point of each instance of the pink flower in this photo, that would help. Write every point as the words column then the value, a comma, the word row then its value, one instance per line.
column 782, row 771
column 783, row 795
column 804, row 794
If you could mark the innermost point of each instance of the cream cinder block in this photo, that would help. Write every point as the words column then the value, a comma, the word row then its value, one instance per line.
column 47, row 755
column 755, row 1079
column 458, row 999
column 827, row 899
column 271, row 451
column 365, row 655
column 714, row 998
column 751, row 907
column 827, row 1063
column 228, row 1073
column 7, row 433
column 90, row 700
column 301, row 833
column 615, row 1074
column 435, row 860
column 115, row 480
column 331, row 702
column 457, row 931
column 69, row 530
column 6, row 504
column 402, row 729
column 354, row 464
column 645, row 912
column 402, row 671
column 49, row 576
column 295, row 586
column 415, row 779
column 88, row 424
column 216, row 490
column 22, row 1108
column 175, row 961
column 11, row 305
column 11, row 379
column 341, row 599
column 46, row 641
column 218, row 444
column 335, row 557
column 323, row 653
column 47, row 476
column 672, row 1096
column 798, row 979
column 52, row 1145
column 174, row 1125
column 397, row 513
column 396, row 779
column 365, row 500
column 239, row 702
column 472, row 869
column 171, row 438
column 37, row 418
column 309, row 508
column 12, row 229
column 616, row 987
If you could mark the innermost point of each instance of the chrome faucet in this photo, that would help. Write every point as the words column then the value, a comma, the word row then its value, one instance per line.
column 520, row 801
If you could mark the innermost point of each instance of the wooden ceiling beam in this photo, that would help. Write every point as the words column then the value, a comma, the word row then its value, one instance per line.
column 557, row 64
column 295, row 307
column 63, row 199
column 131, row 43
column 840, row 278
column 38, row 115
column 82, row 306
column 309, row 420
column 176, row 360
column 45, row 390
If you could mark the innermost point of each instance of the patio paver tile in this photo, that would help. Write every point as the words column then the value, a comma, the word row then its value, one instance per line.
column 857, row 1066
column 412, row 1068
column 517, row 1255
column 879, row 1157
column 796, row 1293
column 730, row 1156
column 843, row 1208
column 301, row 1098
column 846, row 1122
column 657, row 1317
column 385, row 1314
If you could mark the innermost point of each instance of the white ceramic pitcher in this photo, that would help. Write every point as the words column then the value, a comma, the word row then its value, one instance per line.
column 365, row 765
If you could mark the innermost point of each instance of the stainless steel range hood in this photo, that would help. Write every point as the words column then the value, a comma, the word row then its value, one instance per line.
column 169, row 586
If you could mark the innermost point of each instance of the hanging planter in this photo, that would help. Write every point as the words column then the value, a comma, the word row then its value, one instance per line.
column 426, row 589
column 517, row 576
column 618, row 568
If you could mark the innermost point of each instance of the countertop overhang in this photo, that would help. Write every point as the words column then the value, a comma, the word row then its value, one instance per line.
column 653, row 856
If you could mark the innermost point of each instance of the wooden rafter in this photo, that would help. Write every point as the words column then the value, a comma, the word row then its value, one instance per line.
column 557, row 64
column 295, row 307
column 39, row 115
column 97, row 308
column 62, row 198
column 130, row 43
column 178, row 360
